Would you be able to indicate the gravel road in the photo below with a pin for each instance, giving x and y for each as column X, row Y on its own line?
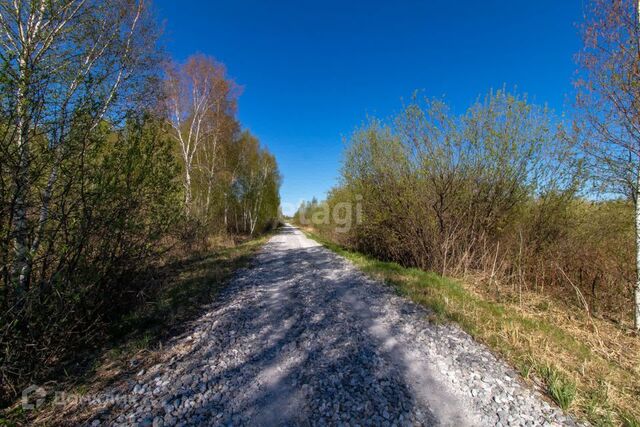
column 303, row 338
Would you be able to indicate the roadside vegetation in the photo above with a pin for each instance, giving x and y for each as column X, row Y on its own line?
column 117, row 167
column 177, row 291
column 587, row 365
column 519, row 225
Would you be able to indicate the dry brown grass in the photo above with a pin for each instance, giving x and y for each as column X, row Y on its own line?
column 603, row 359
column 587, row 364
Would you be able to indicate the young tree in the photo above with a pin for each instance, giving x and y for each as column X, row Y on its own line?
column 610, row 100
column 224, row 127
column 200, row 106
column 255, row 184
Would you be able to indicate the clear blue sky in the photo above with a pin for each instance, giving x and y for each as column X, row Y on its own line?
column 313, row 70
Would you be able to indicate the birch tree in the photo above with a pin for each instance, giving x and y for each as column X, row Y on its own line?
column 224, row 127
column 63, row 61
column 254, row 189
column 610, row 100
column 86, row 174
column 200, row 104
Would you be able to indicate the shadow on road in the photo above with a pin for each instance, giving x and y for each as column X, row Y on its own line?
column 299, row 337
column 309, row 345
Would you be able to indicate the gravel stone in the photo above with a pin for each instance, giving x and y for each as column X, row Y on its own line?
column 301, row 337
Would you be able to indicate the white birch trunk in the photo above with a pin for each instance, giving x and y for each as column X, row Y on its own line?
column 21, row 246
column 226, row 213
column 187, row 188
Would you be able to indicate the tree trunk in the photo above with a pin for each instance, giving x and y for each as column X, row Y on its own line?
column 20, row 226
column 226, row 213
column 636, row 307
column 207, row 202
column 187, row 189
column 637, row 288
column 42, row 220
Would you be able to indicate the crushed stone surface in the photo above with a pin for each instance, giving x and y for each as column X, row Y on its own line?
column 302, row 337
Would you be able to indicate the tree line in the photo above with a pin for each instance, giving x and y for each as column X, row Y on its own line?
column 110, row 155
column 229, row 181
column 507, row 192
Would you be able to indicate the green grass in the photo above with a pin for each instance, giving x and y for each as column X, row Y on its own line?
column 543, row 350
column 561, row 389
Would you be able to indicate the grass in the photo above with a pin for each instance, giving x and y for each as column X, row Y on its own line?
column 587, row 366
column 195, row 281
column 562, row 390
column 186, row 285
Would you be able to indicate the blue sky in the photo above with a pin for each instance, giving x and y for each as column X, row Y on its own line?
column 313, row 70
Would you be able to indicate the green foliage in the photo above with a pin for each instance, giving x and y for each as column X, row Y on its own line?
column 562, row 390
column 573, row 372
column 496, row 196
column 629, row 420
column 189, row 285
column 91, row 198
column 253, row 198
column 115, row 203
column 494, row 191
column 91, row 174
column 231, row 183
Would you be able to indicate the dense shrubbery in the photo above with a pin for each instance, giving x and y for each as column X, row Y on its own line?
column 114, row 204
column 91, row 173
column 496, row 194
